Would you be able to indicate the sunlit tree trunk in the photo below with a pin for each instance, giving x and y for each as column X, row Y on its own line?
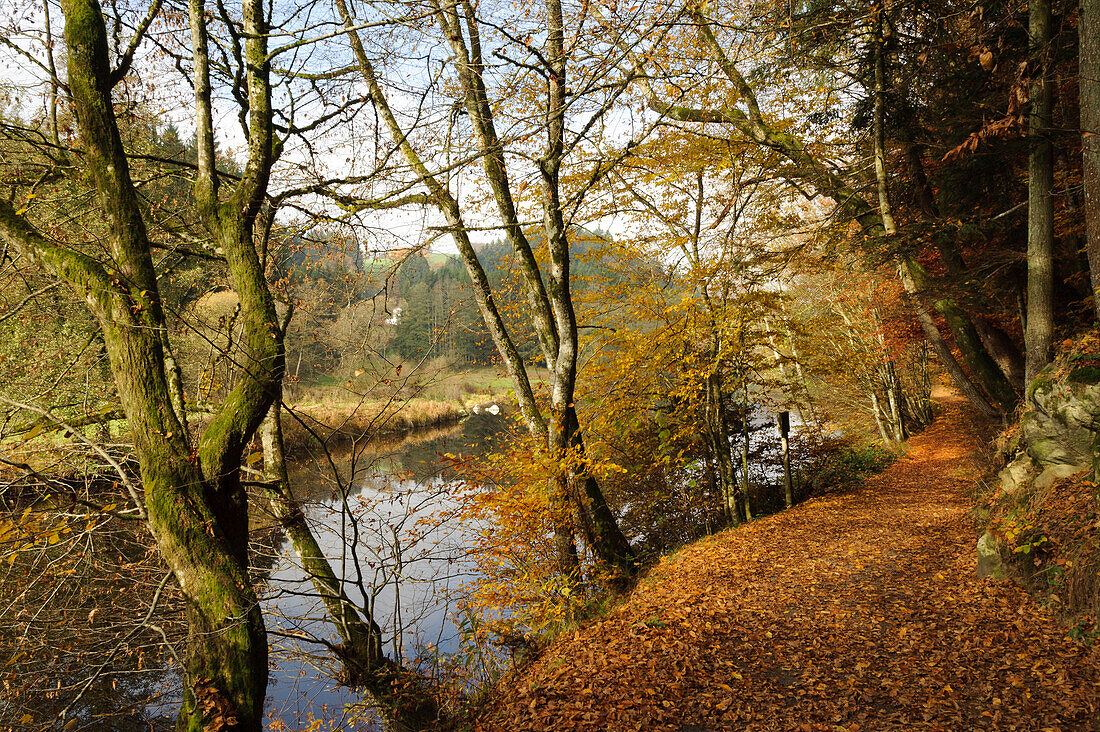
column 550, row 300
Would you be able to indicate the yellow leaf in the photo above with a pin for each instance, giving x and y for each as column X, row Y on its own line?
column 254, row 458
column 21, row 211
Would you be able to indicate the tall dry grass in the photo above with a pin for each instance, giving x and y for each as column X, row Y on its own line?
column 335, row 421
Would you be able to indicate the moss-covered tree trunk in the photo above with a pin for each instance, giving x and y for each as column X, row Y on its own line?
column 198, row 529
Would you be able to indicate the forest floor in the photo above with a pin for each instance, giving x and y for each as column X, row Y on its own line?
column 854, row 611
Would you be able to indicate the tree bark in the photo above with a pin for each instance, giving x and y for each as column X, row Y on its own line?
column 939, row 345
column 718, row 435
column 611, row 545
column 1088, row 31
column 1039, row 334
column 232, row 223
column 550, row 299
column 446, row 203
column 746, row 428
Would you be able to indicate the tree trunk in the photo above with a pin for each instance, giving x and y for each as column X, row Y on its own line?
column 550, row 301
column 483, row 295
column 226, row 670
column 611, row 545
column 1003, row 350
column 876, row 409
column 939, row 345
column 746, row 428
column 362, row 639
column 1039, row 335
column 1088, row 31
column 718, row 435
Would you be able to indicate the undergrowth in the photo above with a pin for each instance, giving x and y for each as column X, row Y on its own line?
column 836, row 465
column 1050, row 539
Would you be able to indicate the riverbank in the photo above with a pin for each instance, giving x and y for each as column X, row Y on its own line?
column 329, row 413
column 334, row 422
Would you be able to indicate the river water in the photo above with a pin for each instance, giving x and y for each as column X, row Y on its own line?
column 401, row 545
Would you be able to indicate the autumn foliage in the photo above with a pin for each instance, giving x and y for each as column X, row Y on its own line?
column 851, row 612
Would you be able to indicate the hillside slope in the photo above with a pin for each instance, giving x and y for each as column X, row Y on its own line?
column 859, row 611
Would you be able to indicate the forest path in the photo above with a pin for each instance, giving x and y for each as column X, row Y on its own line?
column 855, row 611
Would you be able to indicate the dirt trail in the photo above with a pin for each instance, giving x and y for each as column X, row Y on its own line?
column 859, row 611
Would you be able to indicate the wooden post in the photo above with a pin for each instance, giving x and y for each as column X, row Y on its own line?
column 784, row 430
column 745, row 453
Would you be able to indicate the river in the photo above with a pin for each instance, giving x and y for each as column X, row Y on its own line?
column 402, row 548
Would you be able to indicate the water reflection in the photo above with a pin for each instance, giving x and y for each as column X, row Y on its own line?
column 399, row 541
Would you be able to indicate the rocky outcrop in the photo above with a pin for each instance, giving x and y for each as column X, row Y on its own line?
column 1059, row 430
column 1058, row 436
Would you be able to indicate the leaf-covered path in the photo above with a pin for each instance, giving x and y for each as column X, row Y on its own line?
column 859, row 611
